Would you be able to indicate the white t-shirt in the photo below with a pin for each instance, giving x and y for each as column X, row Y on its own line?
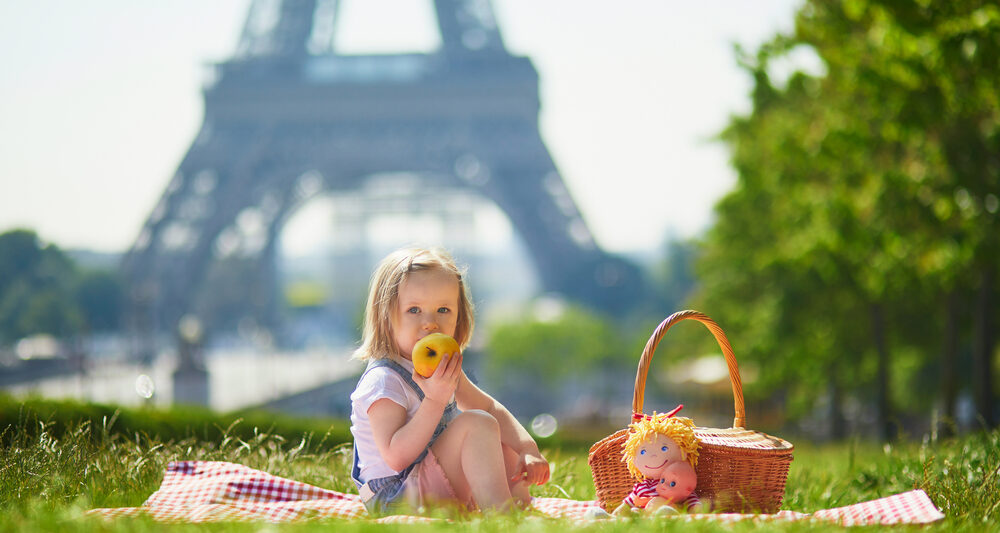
column 378, row 383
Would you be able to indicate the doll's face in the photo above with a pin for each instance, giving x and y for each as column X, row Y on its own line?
column 653, row 455
column 677, row 481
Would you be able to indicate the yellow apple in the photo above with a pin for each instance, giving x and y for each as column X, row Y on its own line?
column 429, row 351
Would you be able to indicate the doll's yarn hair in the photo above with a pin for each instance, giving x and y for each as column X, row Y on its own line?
column 678, row 428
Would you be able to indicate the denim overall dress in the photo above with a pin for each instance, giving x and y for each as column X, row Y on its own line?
column 381, row 493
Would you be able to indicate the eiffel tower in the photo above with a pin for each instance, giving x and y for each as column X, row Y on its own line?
column 288, row 118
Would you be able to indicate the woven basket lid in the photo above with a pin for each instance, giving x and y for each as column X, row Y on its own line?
column 744, row 439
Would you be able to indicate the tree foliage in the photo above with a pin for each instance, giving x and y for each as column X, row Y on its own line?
column 572, row 344
column 866, row 198
column 43, row 291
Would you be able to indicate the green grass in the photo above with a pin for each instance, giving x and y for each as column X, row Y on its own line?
column 174, row 423
column 48, row 480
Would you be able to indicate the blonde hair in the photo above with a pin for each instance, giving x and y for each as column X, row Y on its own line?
column 678, row 428
column 378, row 341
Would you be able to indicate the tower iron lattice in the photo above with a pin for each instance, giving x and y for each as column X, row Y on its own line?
column 288, row 117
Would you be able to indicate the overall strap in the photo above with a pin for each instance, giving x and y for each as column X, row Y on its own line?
column 450, row 411
column 399, row 369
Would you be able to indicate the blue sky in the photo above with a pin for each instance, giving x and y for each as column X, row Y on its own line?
column 99, row 101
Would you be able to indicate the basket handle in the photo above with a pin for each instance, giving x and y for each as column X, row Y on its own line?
column 740, row 420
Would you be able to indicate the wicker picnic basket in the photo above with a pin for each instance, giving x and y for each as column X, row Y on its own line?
column 738, row 469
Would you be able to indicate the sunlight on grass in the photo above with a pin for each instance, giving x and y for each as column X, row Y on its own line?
column 47, row 482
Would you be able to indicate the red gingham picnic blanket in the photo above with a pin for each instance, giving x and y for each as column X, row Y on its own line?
column 212, row 491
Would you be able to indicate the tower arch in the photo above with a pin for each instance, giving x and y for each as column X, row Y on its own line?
column 283, row 123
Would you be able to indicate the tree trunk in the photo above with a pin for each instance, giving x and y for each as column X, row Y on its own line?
column 982, row 350
column 886, row 428
column 949, row 363
column 838, row 426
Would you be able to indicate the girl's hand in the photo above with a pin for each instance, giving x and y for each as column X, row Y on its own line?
column 440, row 387
column 533, row 468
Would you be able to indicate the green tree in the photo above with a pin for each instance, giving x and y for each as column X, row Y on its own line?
column 575, row 342
column 935, row 68
column 47, row 311
column 99, row 297
column 534, row 358
column 35, row 288
column 849, row 211
column 20, row 255
column 43, row 291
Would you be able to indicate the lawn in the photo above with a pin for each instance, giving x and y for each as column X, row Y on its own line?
column 48, row 479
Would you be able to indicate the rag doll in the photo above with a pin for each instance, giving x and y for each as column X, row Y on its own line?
column 652, row 451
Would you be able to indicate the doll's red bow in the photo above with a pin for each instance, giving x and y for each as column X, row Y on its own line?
column 639, row 416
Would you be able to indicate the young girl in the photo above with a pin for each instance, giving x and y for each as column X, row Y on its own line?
column 439, row 439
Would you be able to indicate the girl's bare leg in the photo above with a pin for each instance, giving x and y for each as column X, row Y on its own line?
column 470, row 453
column 518, row 486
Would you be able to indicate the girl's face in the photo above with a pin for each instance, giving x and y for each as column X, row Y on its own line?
column 427, row 303
column 655, row 454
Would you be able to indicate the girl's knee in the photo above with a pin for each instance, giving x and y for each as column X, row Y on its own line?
column 477, row 420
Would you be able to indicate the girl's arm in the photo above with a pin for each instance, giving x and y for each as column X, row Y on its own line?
column 401, row 441
column 512, row 433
